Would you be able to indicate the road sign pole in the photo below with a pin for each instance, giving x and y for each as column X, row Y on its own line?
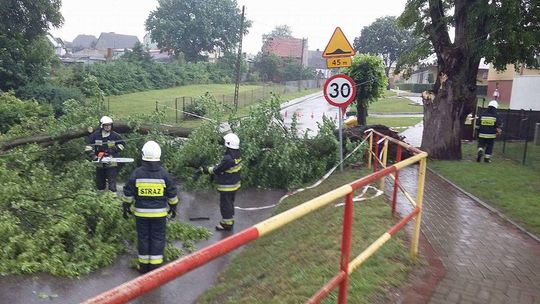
column 340, row 140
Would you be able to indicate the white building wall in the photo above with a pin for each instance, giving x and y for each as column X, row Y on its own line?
column 525, row 93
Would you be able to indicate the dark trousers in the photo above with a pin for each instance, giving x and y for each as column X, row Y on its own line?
column 486, row 144
column 151, row 236
column 106, row 175
column 226, row 204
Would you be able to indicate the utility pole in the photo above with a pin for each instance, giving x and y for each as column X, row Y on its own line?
column 237, row 84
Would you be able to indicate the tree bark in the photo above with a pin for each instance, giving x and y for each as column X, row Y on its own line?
column 361, row 114
column 455, row 87
column 120, row 127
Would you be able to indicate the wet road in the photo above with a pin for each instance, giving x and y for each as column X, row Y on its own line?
column 308, row 111
column 43, row 288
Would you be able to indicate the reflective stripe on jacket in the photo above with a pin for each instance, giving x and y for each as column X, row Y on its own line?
column 227, row 172
column 152, row 188
column 487, row 124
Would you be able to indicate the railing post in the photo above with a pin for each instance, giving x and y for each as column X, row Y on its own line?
column 376, row 152
column 384, row 157
column 157, row 109
column 396, row 180
column 346, row 247
column 370, row 149
column 419, row 200
column 184, row 107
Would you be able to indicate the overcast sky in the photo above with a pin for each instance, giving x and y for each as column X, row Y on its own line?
column 311, row 19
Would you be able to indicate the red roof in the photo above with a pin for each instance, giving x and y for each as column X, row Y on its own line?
column 284, row 47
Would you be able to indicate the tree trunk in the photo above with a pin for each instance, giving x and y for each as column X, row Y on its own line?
column 47, row 140
column 455, row 97
column 361, row 113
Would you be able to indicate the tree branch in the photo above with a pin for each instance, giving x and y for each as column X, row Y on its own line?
column 47, row 140
column 438, row 29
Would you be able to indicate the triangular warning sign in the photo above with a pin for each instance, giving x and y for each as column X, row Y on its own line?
column 338, row 46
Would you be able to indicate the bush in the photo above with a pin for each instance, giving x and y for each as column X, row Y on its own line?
column 14, row 111
column 51, row 94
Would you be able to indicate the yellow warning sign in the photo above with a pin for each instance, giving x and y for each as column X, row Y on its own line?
column 338, row 46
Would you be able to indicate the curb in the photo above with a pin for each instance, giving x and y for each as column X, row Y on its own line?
column 487, row 206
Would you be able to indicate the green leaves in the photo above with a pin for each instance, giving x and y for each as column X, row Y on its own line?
column 384, row 37
column 194, row 26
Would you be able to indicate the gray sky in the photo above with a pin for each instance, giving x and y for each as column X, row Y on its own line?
column 311, row 19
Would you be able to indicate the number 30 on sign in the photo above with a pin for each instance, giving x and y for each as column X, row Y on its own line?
column 339, row 90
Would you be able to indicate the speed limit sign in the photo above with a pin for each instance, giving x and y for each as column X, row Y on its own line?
column 339, row 90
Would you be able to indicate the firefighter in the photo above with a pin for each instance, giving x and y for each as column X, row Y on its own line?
column 101, row 143
column 227, row 175
column 489, row 126
column 154, row 193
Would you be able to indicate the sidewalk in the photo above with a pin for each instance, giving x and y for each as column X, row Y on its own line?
column 485, row 258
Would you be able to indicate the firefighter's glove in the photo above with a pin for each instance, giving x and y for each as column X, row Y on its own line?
column 172, row 211
column 499, row 131
column 197, row 174
column 126, row 210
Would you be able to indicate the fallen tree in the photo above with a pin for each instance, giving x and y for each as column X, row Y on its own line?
column 120, row 127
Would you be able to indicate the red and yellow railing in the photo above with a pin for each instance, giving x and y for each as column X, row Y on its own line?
column 143, row 284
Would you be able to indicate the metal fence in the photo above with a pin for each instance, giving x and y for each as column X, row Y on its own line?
column 184, row 107
column 520, row 138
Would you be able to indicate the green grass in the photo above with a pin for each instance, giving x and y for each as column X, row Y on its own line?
column 394, row 121
column 504, row 184
column 394, row 105
column 292, row 263
column 142, row 102
column 515, row 151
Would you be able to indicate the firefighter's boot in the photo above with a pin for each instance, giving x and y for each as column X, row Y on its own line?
column 143, row 268
column 225, row 225
column 479, row 155
column 487, row 159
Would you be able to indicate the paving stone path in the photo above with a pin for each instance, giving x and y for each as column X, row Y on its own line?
column 485, row 258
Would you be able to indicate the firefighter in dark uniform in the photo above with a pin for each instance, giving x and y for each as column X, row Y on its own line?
column 101, row 143
column 227, row 175
column 154, row 193
column 489, row 126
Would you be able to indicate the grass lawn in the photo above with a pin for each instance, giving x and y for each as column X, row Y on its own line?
column 504, row 184
column 394, row 121
column 291, row 264
column 394, row 105
column 144, row 102
column 515, row 151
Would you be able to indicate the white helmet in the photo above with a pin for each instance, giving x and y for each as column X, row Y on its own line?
column 105, row 120
column 494, row 104
column 232, row 141
column 151, row 151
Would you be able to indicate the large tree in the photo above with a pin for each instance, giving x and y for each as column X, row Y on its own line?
column 500, row 31
column 193, row 26
column 25, row 52
column 384, row 37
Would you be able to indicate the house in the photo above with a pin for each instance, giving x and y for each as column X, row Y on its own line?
column 503, row 81
column 428, row 75
column 423, row 75
column 115, row 41
column 287, row 47
column 83, row 42
column 57, row 44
